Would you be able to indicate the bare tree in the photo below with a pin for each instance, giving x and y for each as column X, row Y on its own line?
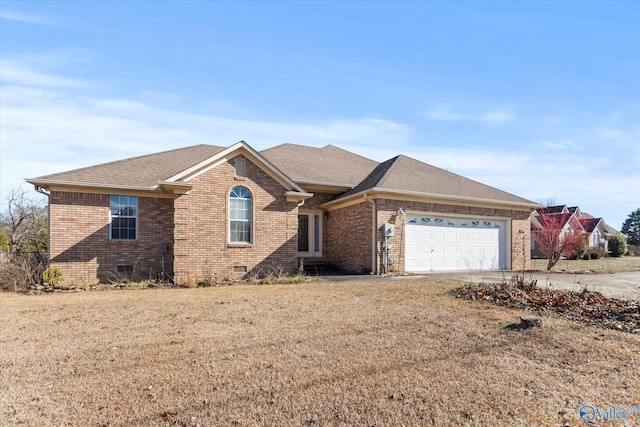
column 25, row 223
column 23, row 233
column 555, row 239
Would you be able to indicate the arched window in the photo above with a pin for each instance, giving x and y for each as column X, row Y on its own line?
column 240, row 215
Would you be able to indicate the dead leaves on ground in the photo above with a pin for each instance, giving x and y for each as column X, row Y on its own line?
column 586, row 306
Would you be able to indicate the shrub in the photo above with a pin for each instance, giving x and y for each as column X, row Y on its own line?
column 52, row 275
column 617, row 245
column 20, row 271
column 633, row 250
column 582, row 251
column 595, row 253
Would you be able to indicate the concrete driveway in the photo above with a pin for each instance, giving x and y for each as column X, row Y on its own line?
column 618, row 285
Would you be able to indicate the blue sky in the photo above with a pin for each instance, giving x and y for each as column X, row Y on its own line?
column 541, row 99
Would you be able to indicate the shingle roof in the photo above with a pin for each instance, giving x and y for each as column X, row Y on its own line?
column 552, row 209
column 554, row 219
column 589, row 224
column 329, row 164
column 142, row 171
column 404, row 173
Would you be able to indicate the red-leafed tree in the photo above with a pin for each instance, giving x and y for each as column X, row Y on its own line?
column 554, row 238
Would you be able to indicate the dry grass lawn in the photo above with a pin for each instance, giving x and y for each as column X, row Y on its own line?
column 402, row 352
column 602, row 265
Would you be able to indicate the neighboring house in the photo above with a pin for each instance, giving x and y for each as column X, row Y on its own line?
column 207, row 213
column 595, row 231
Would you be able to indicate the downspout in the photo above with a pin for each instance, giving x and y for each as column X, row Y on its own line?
column 373, row 234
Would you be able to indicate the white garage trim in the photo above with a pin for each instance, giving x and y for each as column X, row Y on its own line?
column 435, row 242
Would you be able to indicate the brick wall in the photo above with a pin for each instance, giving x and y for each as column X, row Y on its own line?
column 202, row 251
column 195, row 226
column 349, row 238
column 80, row 245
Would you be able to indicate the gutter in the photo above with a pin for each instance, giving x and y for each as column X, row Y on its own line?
column 373, row 233
column 46, row 183
column 432, row 196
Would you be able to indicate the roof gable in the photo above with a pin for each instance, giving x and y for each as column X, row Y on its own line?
column 590, row 224
column 231, row 152
column 560, row 220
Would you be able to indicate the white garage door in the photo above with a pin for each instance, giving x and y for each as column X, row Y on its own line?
column 441, row 243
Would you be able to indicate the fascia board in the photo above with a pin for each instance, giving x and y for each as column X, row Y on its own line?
column 297, row 196
column 324, row 187
column 74, row 187
column 47, row 183
column 175, row 187
column 377, row 192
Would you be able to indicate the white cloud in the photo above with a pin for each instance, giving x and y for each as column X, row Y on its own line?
column 497, row 116
column 50, row 130
column 15, row 72
column 25, row 17
column 49, row 125
column 563, row 144
column 441, row 114
column 494, row 116
column 610, row 133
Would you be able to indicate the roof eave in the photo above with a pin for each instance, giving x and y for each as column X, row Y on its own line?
column 297, row 196
column 378, row 191
column 324, row 187
column 48, row 183
column 175, row 187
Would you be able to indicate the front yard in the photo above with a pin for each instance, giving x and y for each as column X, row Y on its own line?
column 601, row 265
column 400, row 352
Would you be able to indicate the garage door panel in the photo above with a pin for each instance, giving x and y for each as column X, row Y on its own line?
column 434, row 244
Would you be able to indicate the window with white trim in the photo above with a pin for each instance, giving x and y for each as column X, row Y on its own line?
column 240, row 215
column 309, row 234
column 124, row 218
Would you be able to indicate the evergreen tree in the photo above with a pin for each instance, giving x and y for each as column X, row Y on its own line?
column 631, row 228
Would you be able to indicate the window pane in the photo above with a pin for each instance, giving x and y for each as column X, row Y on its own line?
column 239, row 232
column 124, row 212
column 303, row 233
column 240, row 212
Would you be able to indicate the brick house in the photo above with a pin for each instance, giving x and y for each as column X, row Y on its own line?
column 210, row 213
column 595, row 231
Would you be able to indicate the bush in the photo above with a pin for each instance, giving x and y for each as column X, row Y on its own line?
column 52, row 275
column 633, row 250
column 18, row 272
column 582, row 251
column 595, row 253
column 617, row 245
